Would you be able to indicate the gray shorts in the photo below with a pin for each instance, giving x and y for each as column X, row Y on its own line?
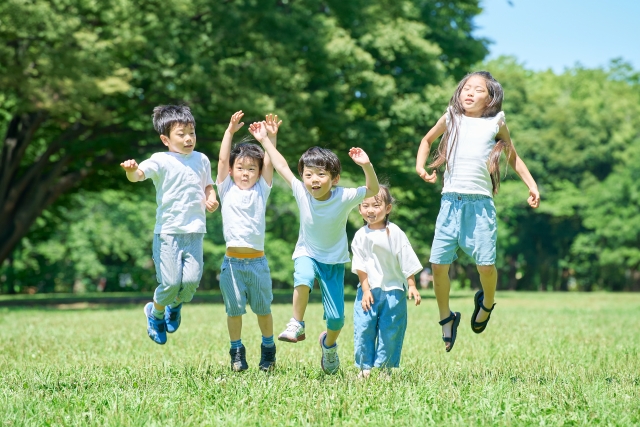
column 178, row 260
column 246, row 280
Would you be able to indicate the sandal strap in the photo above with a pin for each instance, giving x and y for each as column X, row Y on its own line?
column 446, row 339
column 451, row 317
column 488, row 310
column 477, row 325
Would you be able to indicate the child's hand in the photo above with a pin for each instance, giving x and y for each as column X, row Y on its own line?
column 234, row 123
column 272, row 124
column 212, row 205
column 534, row 198
column 430, row 178
column 258, row 130
column 129, row 166
column 367, row 300
column 359, row 156
column 414, row 294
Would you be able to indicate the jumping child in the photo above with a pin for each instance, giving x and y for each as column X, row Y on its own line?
column 244, row 184
column 475, row 134
column 322, row 248
column 184, row 189
column 386, row 264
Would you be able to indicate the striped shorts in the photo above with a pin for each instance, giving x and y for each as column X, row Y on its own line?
column 178, row 260
column 246, row 280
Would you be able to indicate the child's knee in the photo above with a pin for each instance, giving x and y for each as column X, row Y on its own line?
column 335, row 324
column 486, row 270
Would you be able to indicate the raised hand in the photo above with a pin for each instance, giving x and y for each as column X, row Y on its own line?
column 359, row 156
column 534, row 198
column 258, row 130
column 272, row 124
column 129, row 166
column 234, row 123
column 430, row 178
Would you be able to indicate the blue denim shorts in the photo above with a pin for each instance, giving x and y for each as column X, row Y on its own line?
column 331, row 280
column 466, row 221
column 246, row 280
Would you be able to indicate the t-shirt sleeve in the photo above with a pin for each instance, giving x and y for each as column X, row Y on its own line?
column 409, row 262
column 499, row 120
column 352, row 197
column 224, row 186
column 298, row 189
column 207, row 171
column 150, row 167
column 264, row 187
column 358, row 262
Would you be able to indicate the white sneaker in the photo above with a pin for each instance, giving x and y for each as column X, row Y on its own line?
column 293, row 333
column 364, row 374
column 330, row 361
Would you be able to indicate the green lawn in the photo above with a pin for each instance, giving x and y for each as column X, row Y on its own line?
column 545, row 359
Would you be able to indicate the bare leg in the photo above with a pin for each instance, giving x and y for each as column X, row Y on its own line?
column 489, row 280
column 300, row 301
column 442, row 287
column 234, row 323
column 266, row 325
column 158, row 306
column 331, row 338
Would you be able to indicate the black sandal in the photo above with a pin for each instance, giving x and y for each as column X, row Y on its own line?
column 478, row 300
column 454, row 328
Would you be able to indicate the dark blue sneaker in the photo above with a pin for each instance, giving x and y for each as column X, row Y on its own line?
column 267, row 358
column 172, row 318
column 156, row 328
column 238, row 359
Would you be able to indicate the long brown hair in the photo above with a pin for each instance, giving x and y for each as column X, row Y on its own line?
column 450, row 136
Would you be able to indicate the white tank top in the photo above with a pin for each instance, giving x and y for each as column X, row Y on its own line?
column 468, row 172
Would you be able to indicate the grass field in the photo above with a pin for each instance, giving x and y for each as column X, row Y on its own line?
column 545, row 359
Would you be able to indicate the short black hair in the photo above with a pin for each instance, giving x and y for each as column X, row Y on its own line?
column 247, row 149
column 321, row 158
column 165, row 117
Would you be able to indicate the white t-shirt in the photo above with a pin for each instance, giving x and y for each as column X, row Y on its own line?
column 180, row 180
column 323, row 234
column 243, row 213
column 387, row 258
column 469, row 173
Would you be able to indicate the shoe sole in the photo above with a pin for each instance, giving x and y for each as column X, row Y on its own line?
column 270, row 368
column 293, row 341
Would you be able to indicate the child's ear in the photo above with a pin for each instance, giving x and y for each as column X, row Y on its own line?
column 335, row 180
column 388, row 208
column 164, row 140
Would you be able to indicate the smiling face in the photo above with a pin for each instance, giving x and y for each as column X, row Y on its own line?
column 374, row 211
column 318, row 182
column 474, row 96
column 245, row 172
column 181, row 139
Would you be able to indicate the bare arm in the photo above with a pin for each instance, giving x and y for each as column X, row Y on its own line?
column 367, row 298
column 518, row 165
column 412, row 290
column 371, row 180
column 225, row 147
column 210, row 201
column 133, row 173
column 279, row 163
column 272, row 125
column 425, row 147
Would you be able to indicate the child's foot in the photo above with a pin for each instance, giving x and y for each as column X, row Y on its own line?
column 156, row 328
column 364, row 374
column 481, row 314
column 267, row 358
column 238, row 359
column 293, row 333
column 330, row 361
column 172, row 318
column 450, row 329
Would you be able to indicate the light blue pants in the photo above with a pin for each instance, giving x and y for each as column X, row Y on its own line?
column 379, row 332
column 178, row 260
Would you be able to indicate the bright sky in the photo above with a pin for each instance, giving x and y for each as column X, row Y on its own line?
column 557, row 34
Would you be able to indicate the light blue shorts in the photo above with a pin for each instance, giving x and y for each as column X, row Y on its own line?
column 466, row 221
column 246, row 280
column 331, row 280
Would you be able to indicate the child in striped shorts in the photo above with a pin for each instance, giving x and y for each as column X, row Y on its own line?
column 244, row 182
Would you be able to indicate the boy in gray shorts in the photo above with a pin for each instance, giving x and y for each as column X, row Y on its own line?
column 184, row 189
column 244, row 181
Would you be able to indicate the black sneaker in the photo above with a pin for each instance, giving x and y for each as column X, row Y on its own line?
column 267, row 358
column 238, row 359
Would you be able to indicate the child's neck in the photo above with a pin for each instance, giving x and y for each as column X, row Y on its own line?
column 475, row 115
column 380, row 225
